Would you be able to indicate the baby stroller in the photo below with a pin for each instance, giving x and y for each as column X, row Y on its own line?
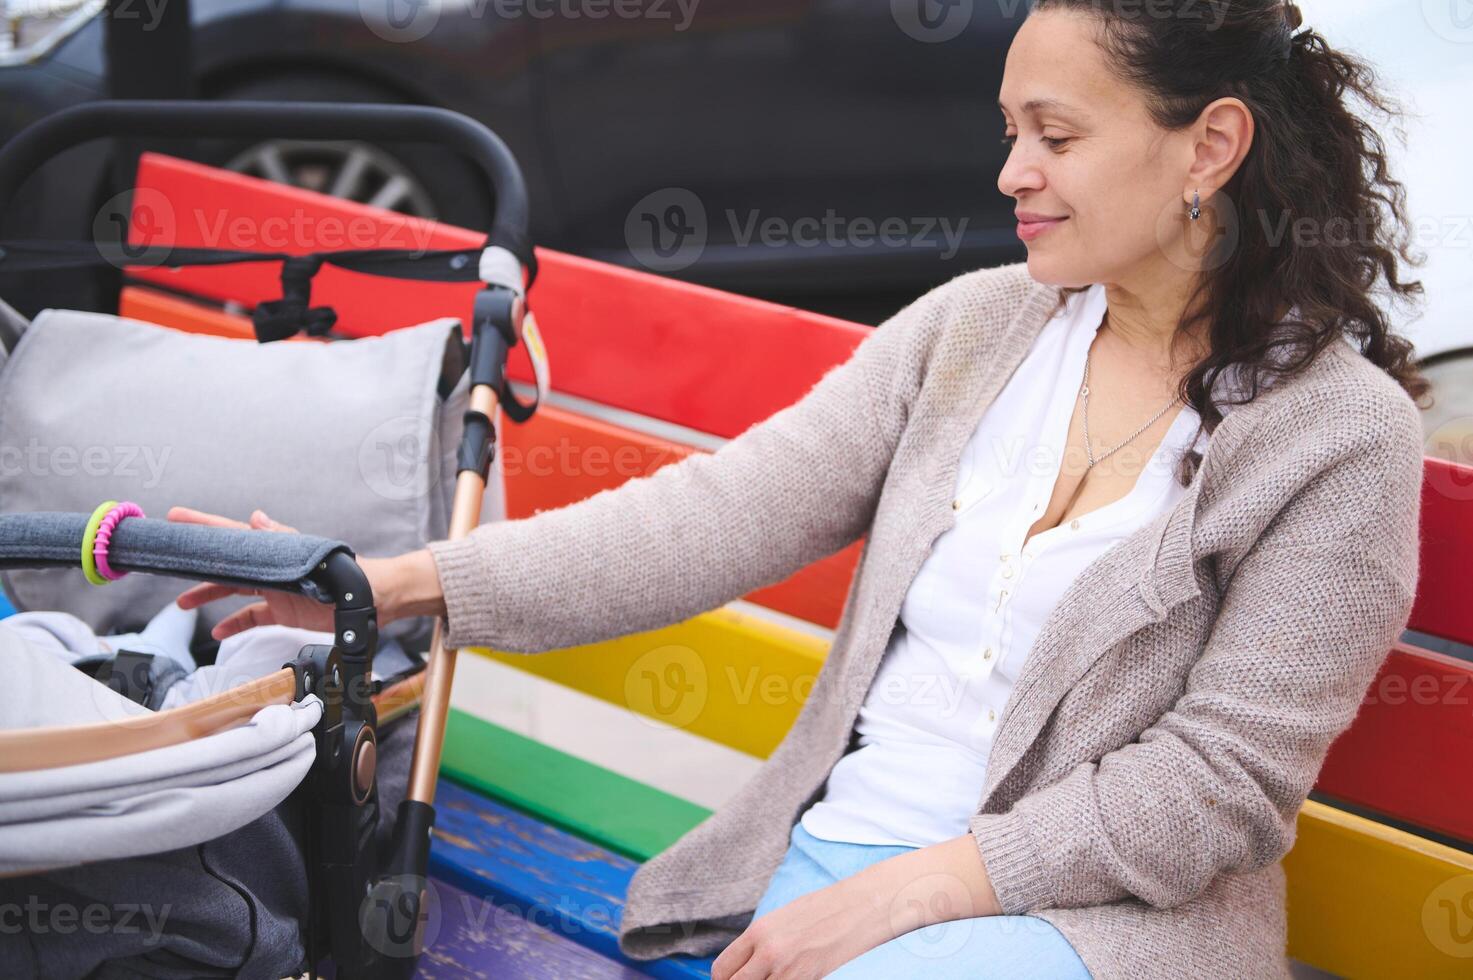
column 366, row 887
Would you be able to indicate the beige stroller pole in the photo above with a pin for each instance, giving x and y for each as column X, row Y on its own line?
column 499, row 321
column 439, row 673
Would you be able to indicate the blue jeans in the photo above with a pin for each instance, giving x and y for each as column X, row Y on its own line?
column 992, row 947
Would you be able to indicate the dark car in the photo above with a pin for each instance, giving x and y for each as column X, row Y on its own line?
column 838, row 154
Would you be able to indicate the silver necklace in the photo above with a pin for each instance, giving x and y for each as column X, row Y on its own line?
column 1084, row 393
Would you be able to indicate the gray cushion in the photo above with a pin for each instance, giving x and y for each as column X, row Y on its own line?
column 349, row 440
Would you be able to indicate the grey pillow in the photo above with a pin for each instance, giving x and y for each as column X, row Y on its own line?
column 348, row 439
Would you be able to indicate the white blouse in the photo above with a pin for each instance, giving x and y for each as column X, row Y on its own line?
column 977, row 603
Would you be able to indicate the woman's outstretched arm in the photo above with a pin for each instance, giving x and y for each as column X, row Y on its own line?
column 699, row 533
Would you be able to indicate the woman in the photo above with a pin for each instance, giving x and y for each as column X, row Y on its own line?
column 1156, row 630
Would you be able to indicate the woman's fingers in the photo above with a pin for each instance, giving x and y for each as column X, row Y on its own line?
column 261, row 522
column 256, row 614
column 188, row 515
column 198, row 595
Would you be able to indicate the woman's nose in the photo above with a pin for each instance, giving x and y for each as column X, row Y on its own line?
column 1018, row 174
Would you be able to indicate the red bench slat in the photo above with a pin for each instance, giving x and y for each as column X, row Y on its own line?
column 1409, row 751
column 758, row 357
column 1443, row 608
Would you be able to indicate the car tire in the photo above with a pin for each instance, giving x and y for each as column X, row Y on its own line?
column 450, row 188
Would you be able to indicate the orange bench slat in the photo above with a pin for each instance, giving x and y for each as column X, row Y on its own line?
column 560, row 457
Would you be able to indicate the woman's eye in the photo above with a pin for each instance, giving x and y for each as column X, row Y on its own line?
column 1054, row 142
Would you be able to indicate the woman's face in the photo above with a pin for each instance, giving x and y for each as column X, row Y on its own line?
column 1084, row 150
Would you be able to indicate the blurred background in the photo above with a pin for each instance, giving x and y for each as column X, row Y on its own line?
column 784, row 149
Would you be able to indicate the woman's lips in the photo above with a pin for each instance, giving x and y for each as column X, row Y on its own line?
column 1029, row 230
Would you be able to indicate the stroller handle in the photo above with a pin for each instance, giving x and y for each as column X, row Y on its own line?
column 285, row 562
column 48, row 136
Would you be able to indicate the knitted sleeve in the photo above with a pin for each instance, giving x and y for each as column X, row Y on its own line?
column 1308, row 614
column 703, row 531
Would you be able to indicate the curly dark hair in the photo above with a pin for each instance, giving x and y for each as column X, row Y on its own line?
column 1312, row 158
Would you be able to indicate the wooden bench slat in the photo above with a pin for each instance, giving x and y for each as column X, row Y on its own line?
column 614, row 811
column 1357, row 889
column 1442, row 607
column 561, row 457
column 758, row 357
column 558, row 880
column 725, row 675
column 1407, row 754
column 470, row 936
column 1369, row 901
column 152, row 306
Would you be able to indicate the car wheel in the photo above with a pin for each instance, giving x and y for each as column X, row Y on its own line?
column 415, row 179
column 1448, row 423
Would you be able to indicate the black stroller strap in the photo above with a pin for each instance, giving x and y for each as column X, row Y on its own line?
column 140, row 677
column 420, row 265
column 278, row 319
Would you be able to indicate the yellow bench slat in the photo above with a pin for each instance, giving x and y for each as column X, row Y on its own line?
column 726, row 675
column 1370, row 901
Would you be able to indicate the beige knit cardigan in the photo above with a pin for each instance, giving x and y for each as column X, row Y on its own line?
column 1174, row 711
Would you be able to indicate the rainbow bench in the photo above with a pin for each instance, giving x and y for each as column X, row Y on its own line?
column 647, row 370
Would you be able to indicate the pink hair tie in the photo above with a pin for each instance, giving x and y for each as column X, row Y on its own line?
column 104, row 534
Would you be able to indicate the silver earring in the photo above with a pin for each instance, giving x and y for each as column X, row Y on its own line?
column 1196, row 206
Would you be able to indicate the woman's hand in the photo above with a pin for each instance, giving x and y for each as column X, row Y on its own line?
column 815, row 934
column 284, row 608
column 809, row 937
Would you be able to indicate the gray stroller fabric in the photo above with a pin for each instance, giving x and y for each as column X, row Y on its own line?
column 231, row 907
column 348, row 440
column 144, row 802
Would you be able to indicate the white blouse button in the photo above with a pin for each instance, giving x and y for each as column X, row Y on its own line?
column 1007, row 573
column 991, row 715
column 987, row 654
column 956, row 504
column 1074, row 524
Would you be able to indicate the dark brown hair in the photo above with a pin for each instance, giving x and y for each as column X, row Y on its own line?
column 1312, row 158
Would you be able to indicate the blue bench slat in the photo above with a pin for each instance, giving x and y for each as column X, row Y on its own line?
column 555, row 878
column 468, row 936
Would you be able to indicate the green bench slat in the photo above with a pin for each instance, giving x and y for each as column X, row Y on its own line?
column 611, row 810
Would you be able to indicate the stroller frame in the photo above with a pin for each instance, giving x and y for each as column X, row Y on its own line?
column 373, row 916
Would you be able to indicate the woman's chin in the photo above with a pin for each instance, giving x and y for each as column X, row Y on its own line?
column 1053, row 271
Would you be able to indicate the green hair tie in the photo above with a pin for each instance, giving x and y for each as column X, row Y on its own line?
column 89, row 540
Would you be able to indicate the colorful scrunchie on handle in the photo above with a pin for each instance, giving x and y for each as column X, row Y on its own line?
column 100, row 527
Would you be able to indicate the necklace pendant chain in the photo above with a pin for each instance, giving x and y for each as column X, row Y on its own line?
column 1088, row 446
